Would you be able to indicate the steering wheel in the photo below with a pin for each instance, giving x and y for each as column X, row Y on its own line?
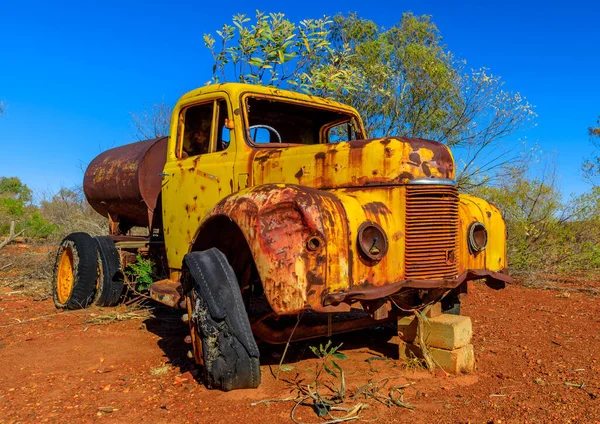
column 267, row 127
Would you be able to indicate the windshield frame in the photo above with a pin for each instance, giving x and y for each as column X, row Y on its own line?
column 352, row 115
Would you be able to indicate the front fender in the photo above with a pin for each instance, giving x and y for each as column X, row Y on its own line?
column 298, row 236
column 493, row 258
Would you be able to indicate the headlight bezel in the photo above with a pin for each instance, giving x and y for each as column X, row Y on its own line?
column 371, row 249
column 476, row 231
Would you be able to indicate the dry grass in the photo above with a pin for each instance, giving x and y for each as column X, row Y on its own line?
column 121, row 313
column 576, row 281
column 29, row 272
column 160, row 370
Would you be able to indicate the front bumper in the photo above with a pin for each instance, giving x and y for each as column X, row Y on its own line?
column 493, row 279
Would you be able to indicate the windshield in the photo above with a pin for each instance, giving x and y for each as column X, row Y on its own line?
column 274, row 121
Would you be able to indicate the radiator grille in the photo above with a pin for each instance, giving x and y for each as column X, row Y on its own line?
column 431, row 231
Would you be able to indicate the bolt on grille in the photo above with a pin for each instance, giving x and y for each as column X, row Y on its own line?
column 431, row 232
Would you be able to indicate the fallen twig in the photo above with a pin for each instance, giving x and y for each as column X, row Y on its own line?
column 56, row 314
column 3, row 267
column 115, row 316
column 288, row 399
column 287, row 345
column 11, row 235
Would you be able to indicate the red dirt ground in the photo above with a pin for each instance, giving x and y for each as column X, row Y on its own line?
column 528, row 344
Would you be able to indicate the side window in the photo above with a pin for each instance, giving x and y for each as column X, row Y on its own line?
column 340, row 133
column 196, row 133
column 346, row 131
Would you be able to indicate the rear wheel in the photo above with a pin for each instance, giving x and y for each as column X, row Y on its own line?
column 75, row 272
column 220, row 330
column 110, row 280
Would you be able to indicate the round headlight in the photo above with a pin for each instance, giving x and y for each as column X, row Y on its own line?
column 372, row 241
column 478, row 237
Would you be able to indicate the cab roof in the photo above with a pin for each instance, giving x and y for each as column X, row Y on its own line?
column 236, row 90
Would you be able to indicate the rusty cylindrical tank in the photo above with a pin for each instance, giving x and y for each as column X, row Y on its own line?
column 123, row 183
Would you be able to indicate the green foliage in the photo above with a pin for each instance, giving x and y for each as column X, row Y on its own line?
column 15, row 199
column 545, row 232
column 53, row 217
column 403, row 80
column 14, row 196
column 274, row 51
column 38, row 227
column 141, row 272
column 13, row 188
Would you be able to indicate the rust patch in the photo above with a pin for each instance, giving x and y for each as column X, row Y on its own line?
column 314, row 279
column 415, row 158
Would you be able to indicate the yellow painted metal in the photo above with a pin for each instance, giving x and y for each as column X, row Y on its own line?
column 196, row 184
column 493, row 258
column 65, row 275
column 193, row 185
column 279, row 196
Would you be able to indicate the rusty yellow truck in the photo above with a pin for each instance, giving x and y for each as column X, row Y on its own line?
column 265, row 205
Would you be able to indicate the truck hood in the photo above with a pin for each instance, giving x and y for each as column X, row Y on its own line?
column 359, row 163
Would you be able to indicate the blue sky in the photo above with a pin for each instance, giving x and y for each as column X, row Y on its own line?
column 71, row 72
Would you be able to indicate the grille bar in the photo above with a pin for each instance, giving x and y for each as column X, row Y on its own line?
column 431, row 232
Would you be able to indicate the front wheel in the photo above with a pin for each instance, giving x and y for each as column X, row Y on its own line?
column 220, row 330
column 75, row 272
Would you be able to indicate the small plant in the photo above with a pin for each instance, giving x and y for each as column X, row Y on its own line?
column 326, row 397
column 140, row 272
column 327, row 354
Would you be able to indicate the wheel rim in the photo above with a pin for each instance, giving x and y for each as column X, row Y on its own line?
column 65, row 278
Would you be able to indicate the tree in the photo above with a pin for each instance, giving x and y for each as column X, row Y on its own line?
column 403, row 80
column 591, row 166
column 152, row 122
column 17, row 212
column 14, row 195
column 546, row 233
column 69, row 211
column 277, row 52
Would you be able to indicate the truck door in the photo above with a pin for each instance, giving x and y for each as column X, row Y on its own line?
column 198, row 172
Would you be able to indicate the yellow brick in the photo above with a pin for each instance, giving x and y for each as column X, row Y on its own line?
column 444, row 331
column 453, row 361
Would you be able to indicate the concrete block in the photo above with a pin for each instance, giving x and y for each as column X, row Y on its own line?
column 444, row 331
column 454, row 361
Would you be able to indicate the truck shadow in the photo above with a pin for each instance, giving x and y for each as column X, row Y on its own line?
column 166, row 323
column 375, row 340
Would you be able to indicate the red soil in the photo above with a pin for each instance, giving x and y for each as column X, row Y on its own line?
column 529, row 343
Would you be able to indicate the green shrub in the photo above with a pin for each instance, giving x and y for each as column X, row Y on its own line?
column 141, row 273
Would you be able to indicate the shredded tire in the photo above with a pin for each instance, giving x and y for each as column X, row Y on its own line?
column 230, row 353
column 85, row 272
column 111, row 283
